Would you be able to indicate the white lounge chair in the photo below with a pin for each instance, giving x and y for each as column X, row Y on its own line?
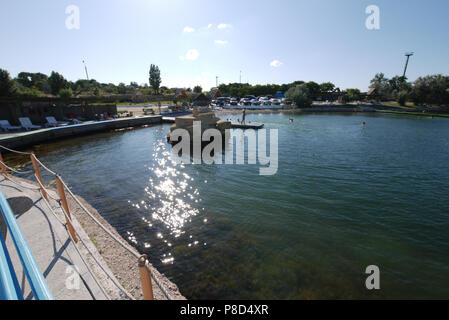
column 6, row 126
column 27, row 125
column 52, row 122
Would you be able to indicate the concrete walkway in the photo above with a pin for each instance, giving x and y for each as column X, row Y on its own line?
column 54, row 251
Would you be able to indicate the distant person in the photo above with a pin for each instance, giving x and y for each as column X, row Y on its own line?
column 363, row 124
column 244, row 116
column 291, row 120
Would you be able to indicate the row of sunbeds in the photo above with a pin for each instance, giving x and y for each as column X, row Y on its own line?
column 25, row 123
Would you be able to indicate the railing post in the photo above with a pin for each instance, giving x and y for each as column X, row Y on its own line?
column 38, row 174
column 65, row 206
column 145, row 278
column 4, row 172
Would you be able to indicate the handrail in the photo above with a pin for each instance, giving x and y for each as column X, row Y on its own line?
column 34, row 275
column 9, row 286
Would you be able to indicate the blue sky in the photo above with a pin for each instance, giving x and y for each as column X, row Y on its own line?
column 318, row 40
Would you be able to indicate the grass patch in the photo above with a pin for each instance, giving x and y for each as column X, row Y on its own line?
column 93, row 239
column 420, row 114
column 392, row 104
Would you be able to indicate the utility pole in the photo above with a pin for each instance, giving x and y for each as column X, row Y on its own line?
column 85, row 69
column 408, row 55
column 240, row 77
column 216, row 81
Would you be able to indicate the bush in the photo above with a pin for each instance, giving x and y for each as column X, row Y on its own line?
column 65, row 94
column 300, row 95
column 402, row 98
column 353, row 95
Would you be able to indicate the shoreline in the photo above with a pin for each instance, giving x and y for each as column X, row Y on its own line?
column 343, row 109
column 29, row 139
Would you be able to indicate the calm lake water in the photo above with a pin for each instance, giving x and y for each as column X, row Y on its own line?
column 345, row 197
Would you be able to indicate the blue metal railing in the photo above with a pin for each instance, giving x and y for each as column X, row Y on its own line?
column 9, row 286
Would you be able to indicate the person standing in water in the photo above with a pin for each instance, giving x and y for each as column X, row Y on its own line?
column 244, row 116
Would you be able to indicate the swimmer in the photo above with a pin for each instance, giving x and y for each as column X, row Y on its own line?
column 291, row 120
column 363, row 124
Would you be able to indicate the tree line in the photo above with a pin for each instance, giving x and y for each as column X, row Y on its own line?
column 41, row 85
column 428, row 90
column 245, row 89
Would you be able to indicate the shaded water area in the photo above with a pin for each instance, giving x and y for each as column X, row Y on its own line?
column 344, row 197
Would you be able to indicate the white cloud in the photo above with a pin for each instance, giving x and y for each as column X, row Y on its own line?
column 192, row 55
column 209, row 26
column 276, row 64
column 221, row 42
column 189, row 29
column 223, row 26
column 206, row 73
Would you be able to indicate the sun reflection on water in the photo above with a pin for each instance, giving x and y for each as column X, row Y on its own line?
column 169, row 201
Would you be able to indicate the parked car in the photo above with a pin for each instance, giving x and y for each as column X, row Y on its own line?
column 222, row 101
column 266, row 102
column 275, row 102
column 234, row 102
column 286, row 102
column 255, row 102
column 245, row 102
column 262, row 99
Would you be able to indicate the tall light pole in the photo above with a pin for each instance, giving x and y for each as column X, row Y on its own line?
column 85, row 69
column 408, row 55
column 216, row 80
column 240, row 77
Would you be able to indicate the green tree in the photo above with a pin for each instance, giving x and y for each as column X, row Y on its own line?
column 431, row 89
column 155, row 78
column 327, row 87
column 39, row 81
column 402, row 97
column 300, row 95
column 57, row 82
column 382, row 85
column 25, row 79
column 198, row 89
column 353, row 94
column 65, row 94
column 7, row 87
column 314, row 89
column 121, row 89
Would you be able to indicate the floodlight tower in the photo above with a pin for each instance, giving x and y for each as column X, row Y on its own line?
column 85, row 69
column 408, row 55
